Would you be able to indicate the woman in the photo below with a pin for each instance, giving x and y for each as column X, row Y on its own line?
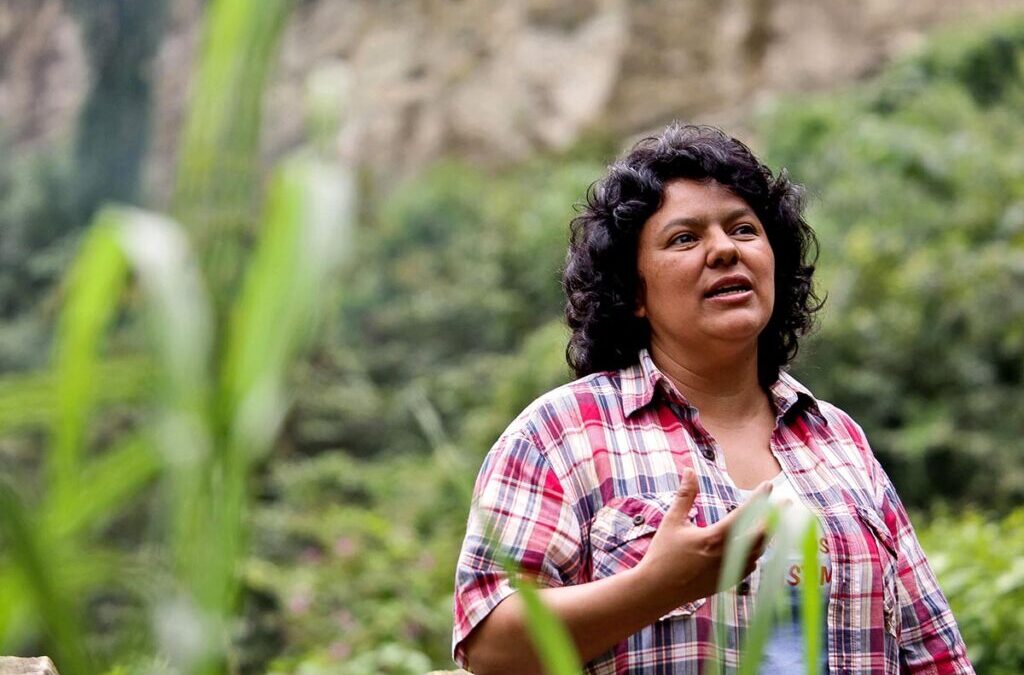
column 689, row 283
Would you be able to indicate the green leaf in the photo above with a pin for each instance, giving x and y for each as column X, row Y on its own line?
column 29, row 551
column 272, row 321
column 177, row 306
column 550, row 637
column 736, row 552
column 94, row 286
column 30, row 399
column 810, row 598
column 305, row 234
column 16, row 618
column 108, row 482
column 218, row 184
column 769, row 593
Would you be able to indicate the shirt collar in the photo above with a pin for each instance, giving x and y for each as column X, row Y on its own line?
column 641, row 381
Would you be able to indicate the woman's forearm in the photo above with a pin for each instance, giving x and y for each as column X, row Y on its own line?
column 598, row 615
column 681, row 564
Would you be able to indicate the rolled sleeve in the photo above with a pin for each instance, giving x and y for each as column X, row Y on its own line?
column 519, row 493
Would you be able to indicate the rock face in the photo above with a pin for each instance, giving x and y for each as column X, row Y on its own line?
column 42, row 71
column 41, row 665
column 493, row 81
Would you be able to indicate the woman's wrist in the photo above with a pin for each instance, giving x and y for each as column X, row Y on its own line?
column 656, row 590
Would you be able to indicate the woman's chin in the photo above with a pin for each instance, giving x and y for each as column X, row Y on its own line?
column 736, row 329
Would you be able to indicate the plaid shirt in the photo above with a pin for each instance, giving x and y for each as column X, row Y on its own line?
column 579, row 482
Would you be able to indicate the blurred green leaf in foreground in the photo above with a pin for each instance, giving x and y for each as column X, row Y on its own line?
column 217, row 361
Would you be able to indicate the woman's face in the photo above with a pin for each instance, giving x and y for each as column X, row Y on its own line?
column 704, row 235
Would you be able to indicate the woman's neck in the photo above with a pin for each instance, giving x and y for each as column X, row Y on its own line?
column 725, row 390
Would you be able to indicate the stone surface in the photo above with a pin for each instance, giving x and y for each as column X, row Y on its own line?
column 487, row 80
column 43, row 74
column 40, row 665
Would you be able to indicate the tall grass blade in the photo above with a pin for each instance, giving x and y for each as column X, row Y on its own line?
column 810, row 598
column 177, row 308
column 736, row 553
column 218, row 180
column 770, row 592
column 550, row 638
column 34, row 555
column 549, row 635
column 112, row 479
column 181, row 327
column 272, row 321
column 30, row 399
column 306, row 234
column 94, row 287
column 17, row 622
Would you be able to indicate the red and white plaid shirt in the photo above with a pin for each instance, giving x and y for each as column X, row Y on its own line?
column 579, row 482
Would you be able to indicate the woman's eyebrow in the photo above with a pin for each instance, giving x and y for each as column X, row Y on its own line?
column 700, row 222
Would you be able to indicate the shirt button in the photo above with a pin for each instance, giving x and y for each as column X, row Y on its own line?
column 743, row 588
column 638, row 519
column 730, row 508
column 708, row 453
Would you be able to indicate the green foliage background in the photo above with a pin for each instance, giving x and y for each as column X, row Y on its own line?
column 449, row 323
column 917, row 185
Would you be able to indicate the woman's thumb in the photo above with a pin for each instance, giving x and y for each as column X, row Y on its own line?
column 680, row 509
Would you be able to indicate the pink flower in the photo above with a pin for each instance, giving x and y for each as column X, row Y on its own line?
column 344, row 619
column 311, row 555
column 339, row 650
column 345, row 547
column 300, row 602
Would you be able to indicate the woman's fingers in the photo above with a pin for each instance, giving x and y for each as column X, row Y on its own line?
column 678, row 512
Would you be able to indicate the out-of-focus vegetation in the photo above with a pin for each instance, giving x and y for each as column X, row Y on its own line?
column 448, row 324
column 917, row 184
column 980, row 562
column 218, row 361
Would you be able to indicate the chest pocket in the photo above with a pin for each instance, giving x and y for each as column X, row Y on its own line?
column 621, row 532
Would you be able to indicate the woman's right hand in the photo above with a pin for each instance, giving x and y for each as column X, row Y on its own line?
column 686, row 560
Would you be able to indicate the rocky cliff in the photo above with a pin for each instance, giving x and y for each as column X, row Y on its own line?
column 493, row 81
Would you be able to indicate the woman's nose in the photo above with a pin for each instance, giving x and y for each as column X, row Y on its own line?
column 722, row 250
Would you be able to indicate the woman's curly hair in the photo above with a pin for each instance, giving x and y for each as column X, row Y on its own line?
column 600, row 277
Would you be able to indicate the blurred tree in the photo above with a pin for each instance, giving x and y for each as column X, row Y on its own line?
column 48, row 196
column 36, row 216
column 120, row 38
column 458, row 269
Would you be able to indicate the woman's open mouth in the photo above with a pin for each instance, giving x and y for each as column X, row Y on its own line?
column 730, row 294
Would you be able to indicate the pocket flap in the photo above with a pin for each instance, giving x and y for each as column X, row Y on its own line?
column 626, row 518
column 621, row 532
column 878, row 526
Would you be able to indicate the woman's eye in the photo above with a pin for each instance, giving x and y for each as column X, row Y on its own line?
column 684, row 238
column 745, row 229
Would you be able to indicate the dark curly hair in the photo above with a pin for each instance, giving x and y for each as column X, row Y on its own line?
column 600, row 277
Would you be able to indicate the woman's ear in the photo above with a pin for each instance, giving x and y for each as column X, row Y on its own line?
column 640, row 306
